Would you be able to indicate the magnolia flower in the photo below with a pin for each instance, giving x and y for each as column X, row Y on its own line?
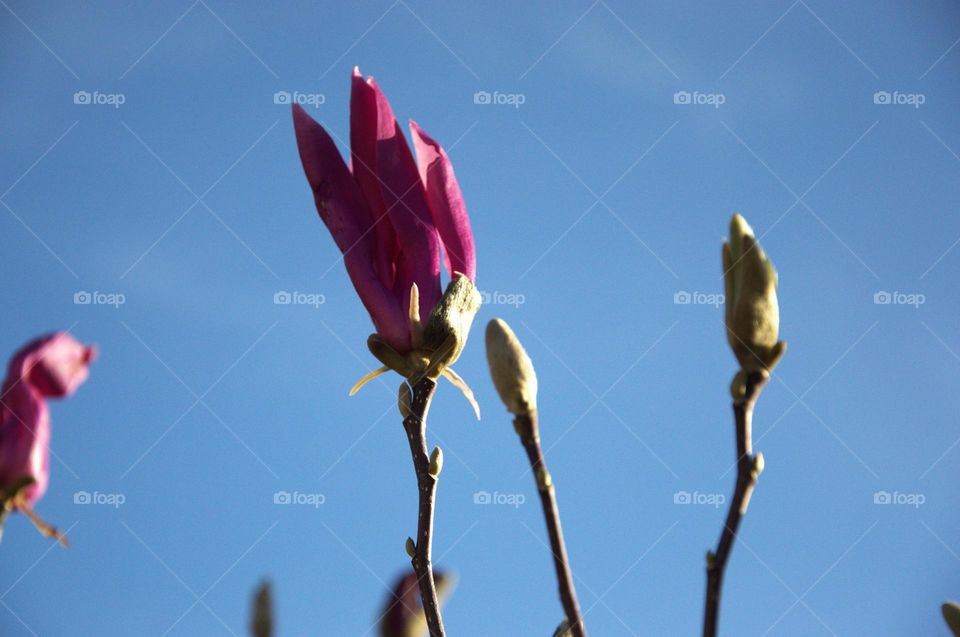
column 50, row 367
column 752, row 311
column 390, row 215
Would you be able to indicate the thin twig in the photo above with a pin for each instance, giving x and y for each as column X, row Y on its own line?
column 528, row 429
column 415, row 424
column 747, row 472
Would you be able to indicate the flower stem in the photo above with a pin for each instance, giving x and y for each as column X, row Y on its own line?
column 528, row 428
column 415, row 424
column 747, row 473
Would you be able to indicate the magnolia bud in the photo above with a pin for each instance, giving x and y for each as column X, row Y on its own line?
column 757, row 465
column 752, row 311
column 511, row 369
column 261, row 624
column 436, row 462
column 951, row 614
column 411, row 547
column 448, row 326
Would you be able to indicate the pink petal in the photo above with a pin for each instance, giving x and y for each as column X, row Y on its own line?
column 363, row 148
column 24, row 439
column 409, row 213
column 51, row 366
column 347, row 216
column 446, row 203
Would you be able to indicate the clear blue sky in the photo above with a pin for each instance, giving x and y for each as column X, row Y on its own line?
column 594, row 202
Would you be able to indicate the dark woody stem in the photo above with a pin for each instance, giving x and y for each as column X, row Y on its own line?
column 528, row 429
column 747, row 474
column 415, row 424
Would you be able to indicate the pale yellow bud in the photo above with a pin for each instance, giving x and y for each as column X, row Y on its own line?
column 511, row 369
column 752, row 312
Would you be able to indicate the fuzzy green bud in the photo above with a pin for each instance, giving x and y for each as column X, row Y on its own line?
column 511, row 369
column 448, row 325
column 410, row 547
column 752, row 312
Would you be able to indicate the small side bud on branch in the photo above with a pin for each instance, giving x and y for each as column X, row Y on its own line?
column 563, row 630
column 511, row 369
column 752, row 311
column 436, row 462
column 544, row 479
column 410, row 547
column 757, row 465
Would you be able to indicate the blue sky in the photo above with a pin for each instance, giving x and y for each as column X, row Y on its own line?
column 596, row 195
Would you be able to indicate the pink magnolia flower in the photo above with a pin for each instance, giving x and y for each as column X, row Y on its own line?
column 388, row 213
column 52, row 366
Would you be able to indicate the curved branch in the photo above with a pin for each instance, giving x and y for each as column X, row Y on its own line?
column 415, row 424
column 528, row 428
column 747, row 472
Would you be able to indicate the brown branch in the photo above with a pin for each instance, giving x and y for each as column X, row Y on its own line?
column 528, row 429
column 747, row 472
column 415, row 424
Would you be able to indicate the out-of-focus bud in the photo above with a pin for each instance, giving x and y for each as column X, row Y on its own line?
column 261, row 624
column 436, row 462
column 402, row 615
column 758, row 465
column 448, row 326
column 544, row 479
column 511, row 369
column 563, row 630
column 951, row 615
column 752, row 311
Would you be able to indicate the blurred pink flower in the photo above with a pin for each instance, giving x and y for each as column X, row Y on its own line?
column 389, row 214
column 52, row 366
